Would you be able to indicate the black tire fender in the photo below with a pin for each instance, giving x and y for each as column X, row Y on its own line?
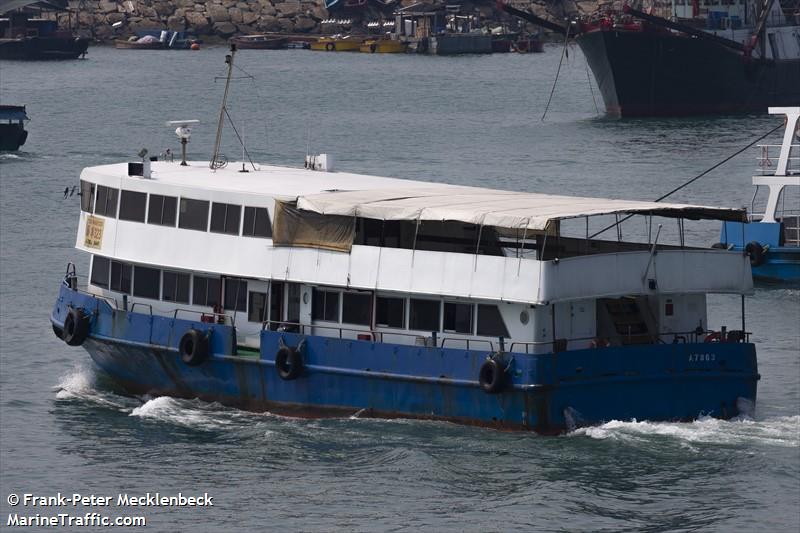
column 288, row 363
column 330, row 47
column 492, row 376
column 193, row 347
column 76, row 327
column 756, row 253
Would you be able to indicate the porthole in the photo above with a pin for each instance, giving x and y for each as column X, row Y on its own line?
column 524, row 317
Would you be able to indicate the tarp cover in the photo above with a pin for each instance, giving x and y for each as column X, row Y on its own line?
column 293, row 227
column 490, row 207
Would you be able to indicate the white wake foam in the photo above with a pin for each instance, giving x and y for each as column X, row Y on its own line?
column 777, row 431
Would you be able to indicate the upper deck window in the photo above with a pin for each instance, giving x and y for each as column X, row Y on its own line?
column 458, row 317
column 256, row 222
column 194, row 214
column 100, row 270
column 225, row 218
column 490, row 322
column 106, row 203
column 162, row 210
column 390, row 312
column 87, row 196
column 424, row 314
column 132, row 205
column 356, row 308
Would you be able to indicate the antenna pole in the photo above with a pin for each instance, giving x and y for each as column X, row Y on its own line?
column 229, row 61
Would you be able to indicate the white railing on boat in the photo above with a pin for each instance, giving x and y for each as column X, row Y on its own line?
column 767, row 161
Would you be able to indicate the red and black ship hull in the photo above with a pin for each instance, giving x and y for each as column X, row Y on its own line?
column 659, row 73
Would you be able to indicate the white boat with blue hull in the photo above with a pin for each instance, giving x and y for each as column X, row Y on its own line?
column 311, row 292
column 772, row 238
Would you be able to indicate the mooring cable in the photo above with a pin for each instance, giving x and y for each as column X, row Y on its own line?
column 676, row 189
column 553, row 89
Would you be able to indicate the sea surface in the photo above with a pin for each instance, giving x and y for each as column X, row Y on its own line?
column 477, row 120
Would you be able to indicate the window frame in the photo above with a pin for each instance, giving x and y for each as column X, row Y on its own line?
column 453, row 304
column 131, row 195
column 107, row 190
column 226, row 213
column 83, row 192
column 367, row 296
column 137, row 291
column 412, row 326
column 403, row 315
column 178, row 277
column 92, row 279
column 196, row 202
column 255, row 211
column 163, row 199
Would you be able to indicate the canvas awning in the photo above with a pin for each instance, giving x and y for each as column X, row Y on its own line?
column 490, row 207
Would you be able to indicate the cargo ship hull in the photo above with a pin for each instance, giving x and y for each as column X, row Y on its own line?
column 652, row 73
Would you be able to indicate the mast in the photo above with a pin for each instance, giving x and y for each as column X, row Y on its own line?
column 214, row 164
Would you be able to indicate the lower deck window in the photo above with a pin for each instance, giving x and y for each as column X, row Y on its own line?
column 356, row 308
column 100, row 271
column 235, row 294
column 121, row 277
column 424, row 315
column 206, row 291
column 390, row 312
column 175, row 287
column 458, row 317
column 146, row 282
column 257, row 309
column 325, row 305
column 490, row 322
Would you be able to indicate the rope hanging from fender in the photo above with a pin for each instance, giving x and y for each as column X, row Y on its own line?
column 687, row 183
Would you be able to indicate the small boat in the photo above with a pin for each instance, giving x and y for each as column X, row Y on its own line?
column 530, row 44
column 12, row 127
column 337, row 44
column 772, row 239
column 159, row 40
column 136, row 43
column 309, row 292
column 23, row 37
column 383, row 46
column 260, row 42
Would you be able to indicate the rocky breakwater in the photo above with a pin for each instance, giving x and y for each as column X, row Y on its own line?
column 105, row 20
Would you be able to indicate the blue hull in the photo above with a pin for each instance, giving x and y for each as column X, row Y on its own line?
column 777, row 263
column 547, row 393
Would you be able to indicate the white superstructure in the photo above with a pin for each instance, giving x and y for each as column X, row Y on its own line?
column 391, row 259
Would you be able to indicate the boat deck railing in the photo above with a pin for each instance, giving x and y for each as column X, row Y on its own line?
column 559, row 345
column 767, row 160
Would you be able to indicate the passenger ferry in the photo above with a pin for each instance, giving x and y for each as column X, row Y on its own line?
column 310, row 292
column 772, row 238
